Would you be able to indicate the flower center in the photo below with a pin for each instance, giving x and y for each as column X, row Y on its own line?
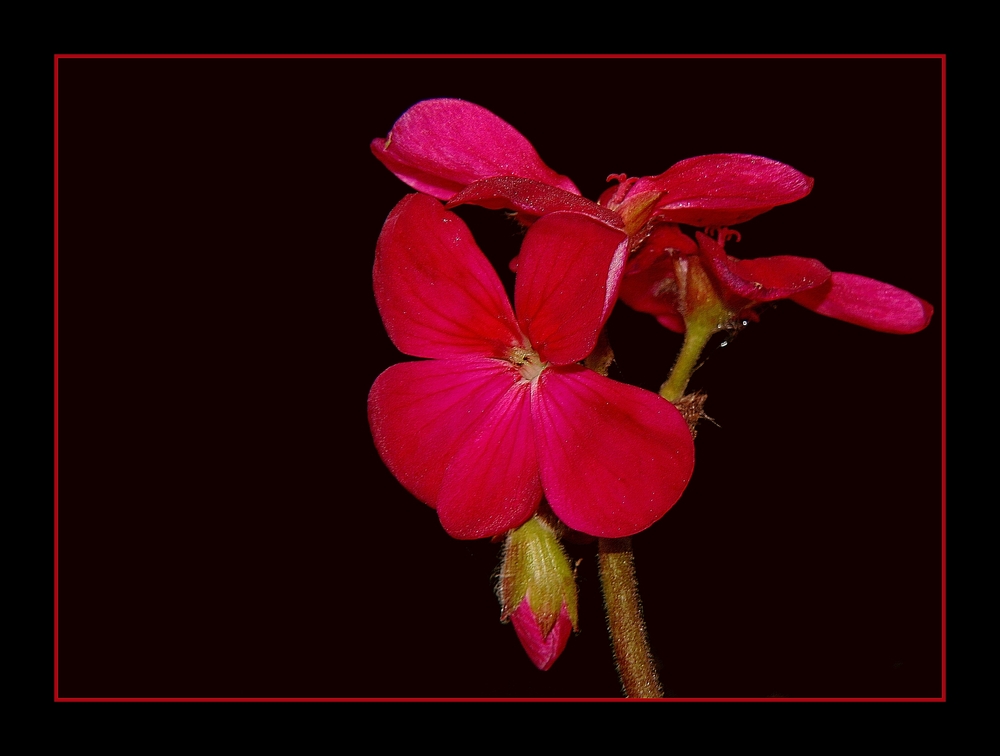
column 527, row 361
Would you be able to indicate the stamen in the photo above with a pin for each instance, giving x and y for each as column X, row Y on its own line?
column 527, row 362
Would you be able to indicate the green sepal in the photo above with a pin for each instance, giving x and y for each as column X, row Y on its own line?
column 536, row 567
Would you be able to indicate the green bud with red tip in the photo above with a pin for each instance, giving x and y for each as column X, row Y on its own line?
column 537, row 590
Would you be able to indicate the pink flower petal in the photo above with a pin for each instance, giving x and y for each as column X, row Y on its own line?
column 543, row 650
column 672, row 321
column 614, row 457
column 492, row 483
column 437, row 293
column 567, row 281
column 440, row 146
column 422, row 412
column 770, row 278
column 722, row 190
column 530, row 197
column 763, row 279
column 869, row 303
column 649, row 284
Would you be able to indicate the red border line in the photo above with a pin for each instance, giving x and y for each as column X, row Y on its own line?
column 535, row 56
column 495, row 700
column 55, row 231
column 943, row 316
column 944, row 383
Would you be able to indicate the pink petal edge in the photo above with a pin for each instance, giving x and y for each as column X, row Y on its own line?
column 762, row 279
column 868, row 303
column 723, row 189
column 530, row 197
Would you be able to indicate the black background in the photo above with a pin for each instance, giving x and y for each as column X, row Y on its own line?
column 225, row 525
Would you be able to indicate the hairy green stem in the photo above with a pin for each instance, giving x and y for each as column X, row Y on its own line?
column 633, row 657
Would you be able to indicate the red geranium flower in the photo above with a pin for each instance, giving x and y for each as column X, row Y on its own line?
column 461, row 152
column 674, row 276
column 501, row 413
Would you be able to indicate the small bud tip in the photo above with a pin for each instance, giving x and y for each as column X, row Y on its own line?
column 543, row 650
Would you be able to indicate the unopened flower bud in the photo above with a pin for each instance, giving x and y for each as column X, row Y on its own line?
column 543, row 650
column 537, row 591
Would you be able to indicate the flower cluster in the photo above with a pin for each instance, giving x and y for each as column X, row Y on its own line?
column 462, row 153
column 500, row 412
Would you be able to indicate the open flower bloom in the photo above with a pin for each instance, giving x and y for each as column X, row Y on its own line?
column 501, row 413
column 675, row 278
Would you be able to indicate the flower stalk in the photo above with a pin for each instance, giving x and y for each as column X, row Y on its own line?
column 695, row 338
column 616, row 561
column 633, row 657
